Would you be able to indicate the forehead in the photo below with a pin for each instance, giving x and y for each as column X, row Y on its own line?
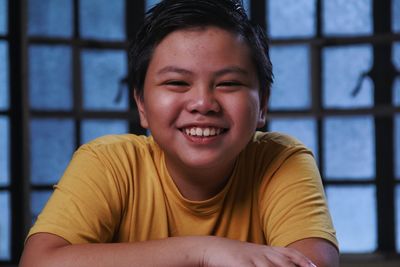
column 211, row 45
column 201, row 32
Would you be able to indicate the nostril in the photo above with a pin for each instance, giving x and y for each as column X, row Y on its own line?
column 204, row 106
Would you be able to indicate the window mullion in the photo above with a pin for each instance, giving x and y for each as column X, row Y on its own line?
column 316, row 86
column 383, row 81
column 19, row 118
column 134, row 15
column 76, row 73
column 258, row 12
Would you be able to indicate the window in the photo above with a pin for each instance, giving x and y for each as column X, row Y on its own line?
column 5, row 140
column 75, row 60
column 330, row 94
column 67, row 88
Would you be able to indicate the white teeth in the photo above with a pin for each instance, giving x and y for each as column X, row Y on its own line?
column 197, row 131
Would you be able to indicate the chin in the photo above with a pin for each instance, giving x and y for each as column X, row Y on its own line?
column 207, row 163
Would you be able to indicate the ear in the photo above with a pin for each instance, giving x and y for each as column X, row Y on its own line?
column 262, row 116
column 142, row 111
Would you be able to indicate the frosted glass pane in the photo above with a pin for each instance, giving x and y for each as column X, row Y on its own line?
column 50, row 77
column 396, row 15
column 92, row 129
column 52, row 145
column 5, row 228
column 102, row 19
column 397, row 145
column 349, row 147
column 102, row 73
column 397, row 206
column 3, row 16
column 4, row 76
column 342, row 67
column 151, row 3
column 396, row 55
column 50, row 18
column 353, row 211
column 38, row 200
column 344, row 17
column 396, row 92
column 4, row 151
column 291, row 88
column 246, row 5
column 304, row 130
column 291, row 18
column 396, row 62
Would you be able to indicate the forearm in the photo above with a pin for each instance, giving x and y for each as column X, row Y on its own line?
column 182, row 251
column 320, row 251
column 46, row 250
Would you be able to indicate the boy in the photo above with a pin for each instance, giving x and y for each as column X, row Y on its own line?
column 205, row 189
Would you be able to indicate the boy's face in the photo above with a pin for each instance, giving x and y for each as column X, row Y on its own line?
column 201, row 98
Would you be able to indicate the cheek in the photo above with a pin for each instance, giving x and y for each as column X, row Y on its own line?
column 155, row 103
column 248, row 109
column 243, row 111
column 161, row 107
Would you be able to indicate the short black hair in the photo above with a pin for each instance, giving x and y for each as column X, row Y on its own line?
column 172, row 15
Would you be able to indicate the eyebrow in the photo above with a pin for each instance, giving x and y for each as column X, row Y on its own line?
column 232, row 69
column 173, row 69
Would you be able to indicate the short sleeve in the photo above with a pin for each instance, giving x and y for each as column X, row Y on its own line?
column 292, row 200
column 85, row 205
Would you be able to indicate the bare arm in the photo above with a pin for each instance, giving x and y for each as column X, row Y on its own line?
column 47, row 250
column 320, row 251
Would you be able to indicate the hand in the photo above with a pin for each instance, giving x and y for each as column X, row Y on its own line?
column 222, row 252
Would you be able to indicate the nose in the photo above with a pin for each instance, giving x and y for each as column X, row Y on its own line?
column 202, row 99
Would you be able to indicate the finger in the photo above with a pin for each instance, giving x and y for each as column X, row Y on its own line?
column 295, row 256
column 275, row 258
column 279, row 261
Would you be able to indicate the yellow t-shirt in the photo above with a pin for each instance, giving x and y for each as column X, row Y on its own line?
column 117, row 189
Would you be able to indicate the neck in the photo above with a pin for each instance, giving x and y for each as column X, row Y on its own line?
column 199, row 184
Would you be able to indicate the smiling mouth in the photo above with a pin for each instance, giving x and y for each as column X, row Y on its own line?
column 203, row 131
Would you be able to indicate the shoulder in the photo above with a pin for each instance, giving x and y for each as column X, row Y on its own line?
column 274, row 145
column 117, row 144
column 117, row 151
column 269, row 151
column 121, row 139
column 275, row 139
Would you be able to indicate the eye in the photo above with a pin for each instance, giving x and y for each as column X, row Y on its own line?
column 179, row 86
column 176, row 83
column 230, row 84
